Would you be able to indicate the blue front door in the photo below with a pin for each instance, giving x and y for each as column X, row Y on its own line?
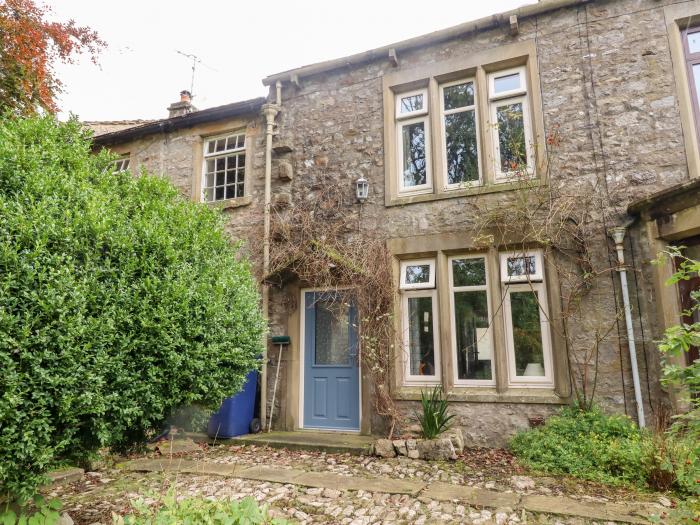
column 331, row 368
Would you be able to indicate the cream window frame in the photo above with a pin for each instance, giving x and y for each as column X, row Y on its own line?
column 227, row 152
column 443, row 132
column 421, row 188
column 546, row 381
column 505, row 98
column 500, row 73
column 408, row 378
column 508, row 279
column 403, row 285
column 415, row 113
column 453, row 328
column 123, row 163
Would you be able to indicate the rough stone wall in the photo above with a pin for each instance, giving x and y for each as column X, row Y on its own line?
column 606, row 82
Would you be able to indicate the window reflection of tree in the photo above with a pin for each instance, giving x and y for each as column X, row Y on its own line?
column 460, row 138
column 527, row 331
column 511, row 137
column 414, row 155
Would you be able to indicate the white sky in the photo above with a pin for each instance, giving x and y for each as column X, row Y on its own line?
column 239, row 43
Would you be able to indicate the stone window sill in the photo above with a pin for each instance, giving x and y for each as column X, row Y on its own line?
column 402, row 200
column 231, row 203
column 538, row 396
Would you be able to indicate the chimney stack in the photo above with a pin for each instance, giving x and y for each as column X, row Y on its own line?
column 177, row 109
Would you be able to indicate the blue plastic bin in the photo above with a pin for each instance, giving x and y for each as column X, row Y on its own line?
column 236, row 412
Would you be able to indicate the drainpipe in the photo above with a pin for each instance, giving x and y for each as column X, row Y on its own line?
column 618, row 235
column 269, row 111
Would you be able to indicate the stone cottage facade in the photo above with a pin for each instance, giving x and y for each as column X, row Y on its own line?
column 593, row 96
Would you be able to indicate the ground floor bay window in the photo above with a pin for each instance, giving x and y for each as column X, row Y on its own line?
column 468, row 319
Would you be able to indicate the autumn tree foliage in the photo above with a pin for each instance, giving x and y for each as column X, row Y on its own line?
column 30, row 46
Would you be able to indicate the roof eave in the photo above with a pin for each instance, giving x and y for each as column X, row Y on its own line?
column 245, row 107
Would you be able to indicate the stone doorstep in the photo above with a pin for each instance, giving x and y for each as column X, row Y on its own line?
column 474, row 496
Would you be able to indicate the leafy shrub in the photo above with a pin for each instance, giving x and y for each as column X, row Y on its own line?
column 200, row 511
column 43, row 513
column 434, row 419
column 119, row 301
column 587, row 444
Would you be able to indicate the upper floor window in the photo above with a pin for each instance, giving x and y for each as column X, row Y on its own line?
column 456, row 153
column 466, row 122
column 512, row 136
column 413, row 143
column 691, row 47
column 121, row 164
column 223, row 175
column 460, row 154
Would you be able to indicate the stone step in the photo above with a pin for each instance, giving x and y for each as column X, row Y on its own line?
column 329, row 442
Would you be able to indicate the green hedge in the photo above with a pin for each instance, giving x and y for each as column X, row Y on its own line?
column 119, row 301
column 587, row 444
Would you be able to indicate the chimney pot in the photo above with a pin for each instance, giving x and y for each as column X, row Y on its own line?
column 183, row 107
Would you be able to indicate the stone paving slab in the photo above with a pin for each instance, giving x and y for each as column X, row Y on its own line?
column 66, row 475
column 596, row 511
column 472, row 495
column 383, row 485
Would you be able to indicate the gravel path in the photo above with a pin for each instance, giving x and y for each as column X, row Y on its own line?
column 93, row 499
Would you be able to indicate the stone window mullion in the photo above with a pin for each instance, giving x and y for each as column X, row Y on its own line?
column 500, row 361
column 436, row 144
column 486, row 158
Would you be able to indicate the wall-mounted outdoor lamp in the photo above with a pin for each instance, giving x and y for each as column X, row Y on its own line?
column 361, row 189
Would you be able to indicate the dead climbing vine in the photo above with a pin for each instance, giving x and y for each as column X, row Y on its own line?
column 318, row 241
column 566, row 218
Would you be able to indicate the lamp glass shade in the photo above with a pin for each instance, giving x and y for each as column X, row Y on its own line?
column 361, row 189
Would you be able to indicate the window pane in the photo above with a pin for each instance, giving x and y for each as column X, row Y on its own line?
column 220, row 144
column 524, row 265
column 511, row 137
column 239, row 190
column 414, row 168
column 241, row 161
column 411, row 104
column 231, row 191
column 209, row 180
column 210, row 147
column 221, row 164
column 220, row 179
column 527, row 333
column 417, row 273
column 209, row 195
column 421, row 348
column 210, row 166
column 219, row 194
column 241, row 141
column 696, row 77
column 468, row 272
column 332, row 332
column 694, row 42
column 473, row 336
column 506, row 83
column 459, row 96
column 460, row 142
